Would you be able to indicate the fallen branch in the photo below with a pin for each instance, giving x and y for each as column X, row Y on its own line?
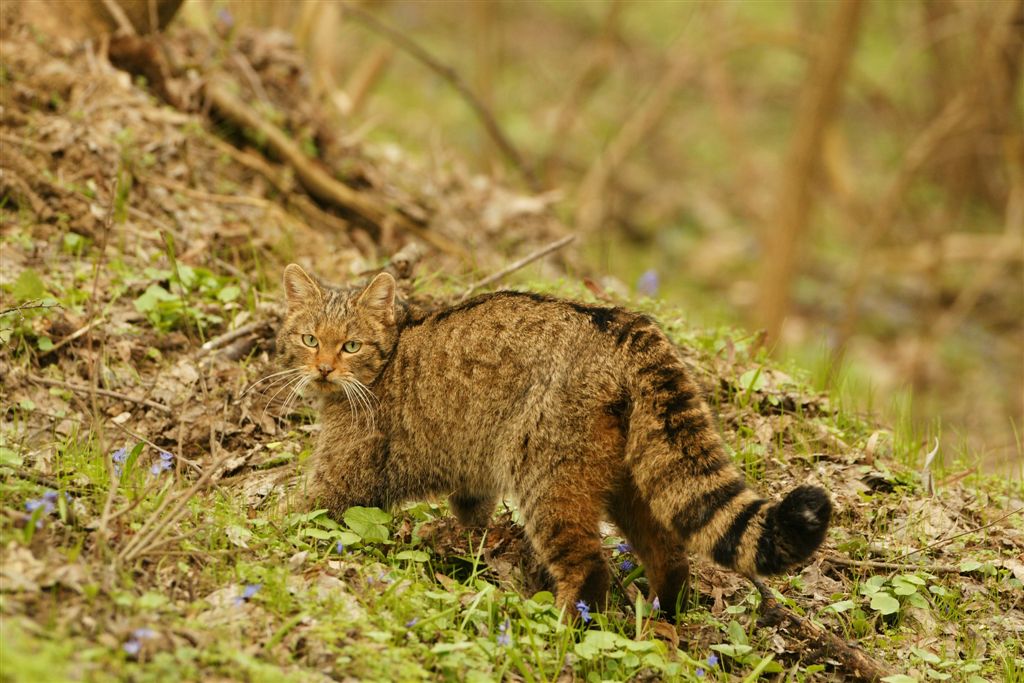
column 28, row 306
column 315, row 179
column 521, row 263
column 80, row 389
column 854, row 663
column 449, row 74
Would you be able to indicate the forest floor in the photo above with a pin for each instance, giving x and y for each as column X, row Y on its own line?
column 144, row 535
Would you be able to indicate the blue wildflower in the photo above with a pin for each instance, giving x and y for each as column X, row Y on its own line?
column 712, row 660
column 143, row 633
column 647, row 283
column 132, row 647
column 165, row 463
column 624, row 548
column 504, row 637
column 584, row 611
column 626, row 565
column 249, row 591
column 700, row 673
column 119, row 457
column 656, row 605
column 225, row 18
column 339, row 547
column 44, row 503
column 411, row 622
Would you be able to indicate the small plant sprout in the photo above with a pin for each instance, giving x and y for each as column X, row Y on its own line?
column 247, row 593
column 584, row 609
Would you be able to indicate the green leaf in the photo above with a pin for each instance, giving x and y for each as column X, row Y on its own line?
column 321, row 534
column 842, row 605
column 732, row 650
column 899, row 678
column 900, row 587
column 969, row 566
column 10, row 457
column 414, row 555
column 884, row 603
column 369, row 523
column 28, row 286
column 229, row 293
column 44, row 344
column 151, row 298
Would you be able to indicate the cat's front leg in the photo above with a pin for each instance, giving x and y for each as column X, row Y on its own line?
column 344, row 476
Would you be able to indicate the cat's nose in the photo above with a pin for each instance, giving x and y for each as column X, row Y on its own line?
column 325, row 369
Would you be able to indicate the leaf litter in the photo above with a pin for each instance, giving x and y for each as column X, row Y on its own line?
column 193, row 252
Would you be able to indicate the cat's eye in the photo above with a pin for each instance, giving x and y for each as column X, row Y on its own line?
column 351, row 346
column 310, row 341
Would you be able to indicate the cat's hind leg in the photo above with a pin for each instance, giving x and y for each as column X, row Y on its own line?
column 661, row 551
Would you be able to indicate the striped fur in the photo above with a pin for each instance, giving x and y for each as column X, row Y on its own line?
column 577, row 411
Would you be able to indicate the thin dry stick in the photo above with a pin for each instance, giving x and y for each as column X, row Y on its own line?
column 228, row 337
column 643, row 119
column 893, row 566
column 449, row 74
column 944, row 541
column 516, row 265
column 854, row 663
column 158, row 524
column 78, row 388
column 123, row 22
column 73, row 336
column 317, row 181
column 28, row 306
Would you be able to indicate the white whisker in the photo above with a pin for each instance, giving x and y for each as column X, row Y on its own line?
column 270, row 377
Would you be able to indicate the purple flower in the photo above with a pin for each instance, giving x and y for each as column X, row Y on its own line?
column 165, row 463
column 249, row 591
column 584, row 611
column 504, row 637
column 700, row 673
column 224, row 17
column 626, row 565
column 143, row 633
column 656, row 605
column 339, row 547
column 119, row 457
column 647, row 283
column 713, row 660
column 624, row 548
column 132, row 647
column 45, row 503
column 411, row 622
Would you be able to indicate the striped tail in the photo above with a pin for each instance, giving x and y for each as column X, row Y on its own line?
column 680, row 467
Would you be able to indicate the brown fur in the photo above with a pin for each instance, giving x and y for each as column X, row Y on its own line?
column 577, row 411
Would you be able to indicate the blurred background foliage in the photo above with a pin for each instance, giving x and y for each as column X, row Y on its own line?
column 847, row 176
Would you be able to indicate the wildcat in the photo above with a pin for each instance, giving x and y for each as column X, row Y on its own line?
column 577, row 411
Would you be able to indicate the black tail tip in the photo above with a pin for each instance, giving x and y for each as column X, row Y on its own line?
column 794, row 529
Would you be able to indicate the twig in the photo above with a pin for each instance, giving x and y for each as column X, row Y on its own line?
column 944, row 541
column 855, row 664
column 205, row 196
column 123, row 22
column 228, row 337
column 890, row 566
column 73, row 336
column 29, row 474
column 315, row 179
column 78, row 388
column 28, row 306
column 449, row 74
column 521, row 263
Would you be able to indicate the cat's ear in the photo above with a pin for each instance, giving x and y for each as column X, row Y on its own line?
column 379, row 296
column 299, row 287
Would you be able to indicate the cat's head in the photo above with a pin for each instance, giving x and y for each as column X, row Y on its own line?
column 337, row 337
